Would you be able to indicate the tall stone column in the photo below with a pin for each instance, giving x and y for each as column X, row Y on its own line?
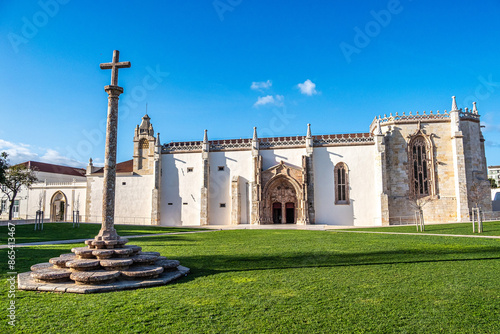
column 108, row 200
column 235, row 201
column 457, row 145
column 255, row 214
column 381, row 178
column 156, row 196
column 308, row 166
column 204, row 214
column 108, row 231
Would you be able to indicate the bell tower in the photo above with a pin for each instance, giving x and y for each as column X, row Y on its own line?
column 144, row 147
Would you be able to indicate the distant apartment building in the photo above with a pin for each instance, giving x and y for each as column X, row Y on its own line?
column 494, row 173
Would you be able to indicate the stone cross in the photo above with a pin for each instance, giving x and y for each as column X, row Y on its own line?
column 108, row 231
column 114, row 66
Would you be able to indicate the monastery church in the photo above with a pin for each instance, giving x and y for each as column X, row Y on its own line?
column 356, row 179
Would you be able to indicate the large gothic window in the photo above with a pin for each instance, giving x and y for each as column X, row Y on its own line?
column 341, row 184
column 420, row 162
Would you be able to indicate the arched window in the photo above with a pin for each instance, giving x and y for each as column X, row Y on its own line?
column 421, row 170
column 144, row 143
column 341, row 183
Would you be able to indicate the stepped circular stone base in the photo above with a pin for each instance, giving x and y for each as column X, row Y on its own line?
column 135, row 249
column 68, row 255
column 103, row 253
column 25, row 282
column 94, row 277
column 110, row 243
column 168, row 264
column 157, row 254
column 51, row 275
column 41, row 266
column 116, row 264
column 60, row 262
column 83, row 264
column 142, row 272
column 122, row 241
column 123, row 252
column 144, row 259
column 83, row 252
column 99, row 243
column 161, row 258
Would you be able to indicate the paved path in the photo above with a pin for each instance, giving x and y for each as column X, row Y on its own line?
column 75, row 241
column 420, row 233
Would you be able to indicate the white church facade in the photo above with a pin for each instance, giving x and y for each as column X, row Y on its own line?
column 358, row 179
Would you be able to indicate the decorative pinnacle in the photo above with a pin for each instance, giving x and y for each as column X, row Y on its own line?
column 90, row 161
column 454, row 104
column 205, row 137
column 254, row 133
column 308, row 131
column 158, row 139
column 474, row 108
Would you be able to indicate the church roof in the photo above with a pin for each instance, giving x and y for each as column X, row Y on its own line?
column 56, row 169
column 122, row 167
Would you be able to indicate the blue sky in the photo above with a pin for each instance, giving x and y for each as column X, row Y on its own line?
column 230, row 65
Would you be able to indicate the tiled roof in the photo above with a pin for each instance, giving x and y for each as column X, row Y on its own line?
column 122, row 167
column 56, row 169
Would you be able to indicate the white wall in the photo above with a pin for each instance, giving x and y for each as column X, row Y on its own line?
column 133, row 199
column 360, row 162
column 235, row 163
column 495, row 198
column 291, row 156
column 178, row 187
column 29, row 199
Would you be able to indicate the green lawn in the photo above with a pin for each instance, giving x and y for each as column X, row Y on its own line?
column 489, row 228
column 286, row 281
column 65, row 231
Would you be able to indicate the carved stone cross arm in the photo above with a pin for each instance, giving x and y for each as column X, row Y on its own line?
column 114, row 66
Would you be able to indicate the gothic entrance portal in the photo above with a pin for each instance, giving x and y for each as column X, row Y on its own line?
column 281, row 202
column 290, row 213
column 58, row 207
column 277, row 213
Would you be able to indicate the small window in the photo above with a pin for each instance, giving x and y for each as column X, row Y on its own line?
column 222, row 205
column 184, row 204
column 124, row 183
column 341, row 183
column 169, row 203
column 221, row 168
column 190, row 169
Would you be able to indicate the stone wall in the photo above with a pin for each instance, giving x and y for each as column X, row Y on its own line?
column 443, row 207
column 475, row 161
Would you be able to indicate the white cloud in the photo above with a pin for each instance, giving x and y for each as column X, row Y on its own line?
column 19, row 152
column 276, row 100
column 261, row 85
column 308, row 88
column 54, row 157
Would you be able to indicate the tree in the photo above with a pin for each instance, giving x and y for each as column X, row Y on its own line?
column 478, row 191
column 418, row 203
column 3, row 166
column 493, row 184
column 14, row 179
